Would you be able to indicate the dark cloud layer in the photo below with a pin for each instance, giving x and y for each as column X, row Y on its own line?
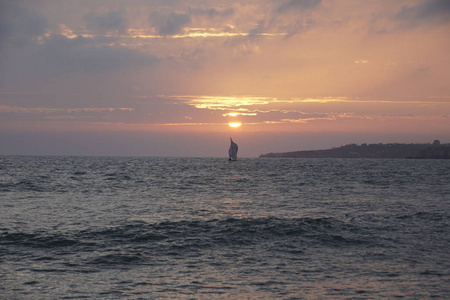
column 298, row 5
column 289, row 16
column 64, row 55
column 113, row 20
column 19, row 25
column 169, row 23
column 212, row 12
column 437, row 10
column 28, row 50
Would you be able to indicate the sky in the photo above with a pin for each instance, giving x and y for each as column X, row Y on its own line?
column 167, row 77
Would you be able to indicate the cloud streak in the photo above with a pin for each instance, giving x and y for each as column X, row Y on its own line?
column 18, row 109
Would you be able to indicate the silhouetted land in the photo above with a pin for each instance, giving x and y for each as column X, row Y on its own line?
column 436, row 150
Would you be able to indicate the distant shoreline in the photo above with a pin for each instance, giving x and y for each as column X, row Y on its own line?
column 434, row 150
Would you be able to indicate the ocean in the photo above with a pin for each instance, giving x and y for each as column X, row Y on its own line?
column 207, row 228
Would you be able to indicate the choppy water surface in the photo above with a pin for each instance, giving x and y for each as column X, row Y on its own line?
column 183, row 228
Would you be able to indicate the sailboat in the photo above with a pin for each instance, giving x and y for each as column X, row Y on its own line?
column 232, row 152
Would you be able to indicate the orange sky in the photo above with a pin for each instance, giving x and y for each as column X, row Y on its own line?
column 105, row 77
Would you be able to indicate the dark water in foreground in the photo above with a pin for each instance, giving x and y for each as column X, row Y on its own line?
column 182, row 228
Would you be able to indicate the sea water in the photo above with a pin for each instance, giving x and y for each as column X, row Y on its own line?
column 207, row 228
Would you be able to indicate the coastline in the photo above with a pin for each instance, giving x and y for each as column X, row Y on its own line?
column 434, row 150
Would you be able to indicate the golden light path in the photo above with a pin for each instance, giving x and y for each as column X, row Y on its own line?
column 234, row 124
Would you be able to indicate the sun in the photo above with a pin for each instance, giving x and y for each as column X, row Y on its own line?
column 234, row 124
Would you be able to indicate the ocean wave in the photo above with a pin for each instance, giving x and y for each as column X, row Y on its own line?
column 116, row 259
column 189, row 235
column 427, row 216
column 39, row 240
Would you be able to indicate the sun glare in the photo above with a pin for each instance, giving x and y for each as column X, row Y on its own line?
column 234, row 125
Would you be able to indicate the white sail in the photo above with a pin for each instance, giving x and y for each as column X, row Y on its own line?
column 232, row 152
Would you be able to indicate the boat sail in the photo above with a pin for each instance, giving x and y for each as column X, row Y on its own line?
column 232, row 152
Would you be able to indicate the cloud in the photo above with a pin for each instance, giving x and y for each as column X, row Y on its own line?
column 46, row 110
column 19, row 25
column 288, row 17
column 212, row 12
column 299, row 5
column 169, row 24
column 60, row 54
column 110, row 21
column 437, row 10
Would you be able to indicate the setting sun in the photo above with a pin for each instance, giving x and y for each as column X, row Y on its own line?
column 234, row 125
